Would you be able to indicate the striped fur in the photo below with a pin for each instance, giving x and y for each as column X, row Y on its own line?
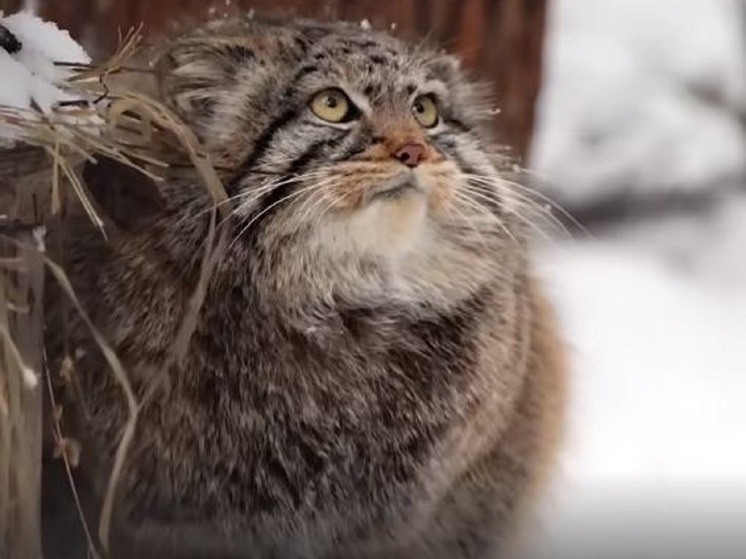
column 373, row 373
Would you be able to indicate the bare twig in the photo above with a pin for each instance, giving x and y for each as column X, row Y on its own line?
column 122, row 379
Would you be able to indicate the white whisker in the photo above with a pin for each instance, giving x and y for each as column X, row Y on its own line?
column 489, row 188
column 475, row 204
column 526, row 193
column 533, row 226
column 270, row 207
column 467, row 220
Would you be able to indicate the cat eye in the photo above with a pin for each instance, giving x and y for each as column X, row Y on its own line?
column 425, row 111
column 332, row 105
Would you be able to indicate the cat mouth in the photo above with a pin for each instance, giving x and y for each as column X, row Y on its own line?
column 395, row 187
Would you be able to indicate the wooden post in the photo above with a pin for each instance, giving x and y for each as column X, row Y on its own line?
column 21, row 352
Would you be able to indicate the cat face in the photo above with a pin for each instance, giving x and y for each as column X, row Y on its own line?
column 346, row 142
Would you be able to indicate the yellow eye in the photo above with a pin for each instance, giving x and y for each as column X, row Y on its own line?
column 425, row 111
column 331, row 105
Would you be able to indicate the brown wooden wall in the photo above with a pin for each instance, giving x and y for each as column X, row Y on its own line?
column 502, row 40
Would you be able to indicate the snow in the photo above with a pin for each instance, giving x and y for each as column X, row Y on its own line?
column 43, row 44
column 653, row 308
column 639, row 99
column 657, row 417
column 13, row 72
column 659, row 362
column 30, row 77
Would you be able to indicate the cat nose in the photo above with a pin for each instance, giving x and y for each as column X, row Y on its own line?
column 411, row 154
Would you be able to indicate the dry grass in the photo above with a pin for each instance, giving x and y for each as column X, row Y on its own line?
column 134, row 129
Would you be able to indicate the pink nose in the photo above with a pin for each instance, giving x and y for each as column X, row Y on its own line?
column 410, row 154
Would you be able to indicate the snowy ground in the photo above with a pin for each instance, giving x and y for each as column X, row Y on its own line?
column 658, row 399
column 654, row 308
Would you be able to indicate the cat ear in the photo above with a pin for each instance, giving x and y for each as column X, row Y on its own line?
column 445, row 66
column 194, row 72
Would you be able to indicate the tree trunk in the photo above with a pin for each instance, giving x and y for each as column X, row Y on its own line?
column 501, row 40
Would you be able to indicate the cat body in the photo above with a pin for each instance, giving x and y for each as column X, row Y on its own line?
column 373, row 371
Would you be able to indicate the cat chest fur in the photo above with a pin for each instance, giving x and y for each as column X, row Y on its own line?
column 271, row 421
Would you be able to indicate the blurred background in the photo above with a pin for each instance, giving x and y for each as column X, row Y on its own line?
column 630, row 115
column 641, row 135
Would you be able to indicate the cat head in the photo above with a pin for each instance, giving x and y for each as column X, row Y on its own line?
column 357, row 163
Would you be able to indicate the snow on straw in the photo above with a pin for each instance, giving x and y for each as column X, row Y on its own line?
column 30, row 77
